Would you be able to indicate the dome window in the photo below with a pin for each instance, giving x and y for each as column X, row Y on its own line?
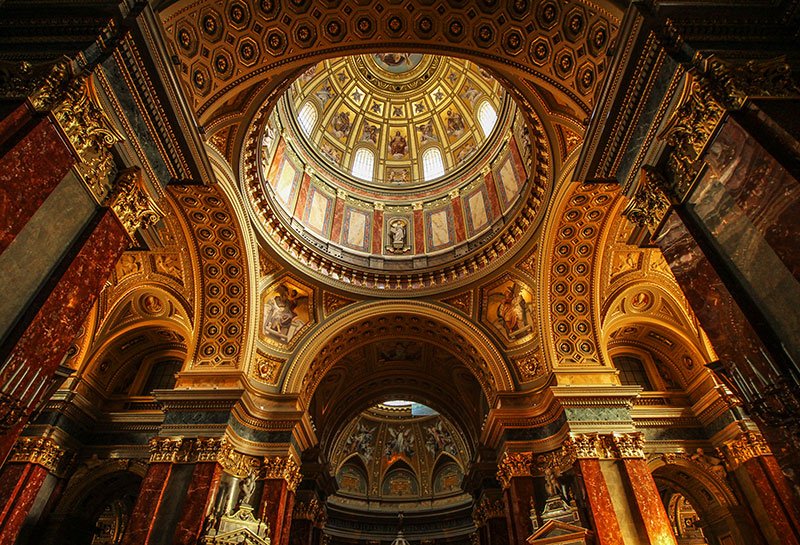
column 432, row 164
column 307, row 118
column 363, row 163
column 487, row 117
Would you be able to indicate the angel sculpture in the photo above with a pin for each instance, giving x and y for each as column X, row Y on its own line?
column 512, row 312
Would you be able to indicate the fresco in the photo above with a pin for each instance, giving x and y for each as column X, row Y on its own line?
column 508, row 309
column 286, row 310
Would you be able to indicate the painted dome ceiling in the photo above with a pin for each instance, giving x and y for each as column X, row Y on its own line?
column 396, row 120
column 395, row 171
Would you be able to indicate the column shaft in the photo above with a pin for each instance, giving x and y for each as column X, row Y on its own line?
column 606, row 527
column 19, row 486
column 649, row 506
column 205, row 480
column 151, row 495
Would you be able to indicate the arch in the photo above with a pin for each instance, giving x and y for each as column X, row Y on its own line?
column 445, row 470
column 363, row 164
column 307, row 117
column 487, row 117
column 324, row 346
column 432, row 163
column 352, row 475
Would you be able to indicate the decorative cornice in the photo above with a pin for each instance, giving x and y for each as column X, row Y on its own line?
column 179, row 450
column 514, row 464
column 626, row 445
column 41, row 451
column 131, row 202
column 583, row 446
column 747, row 446
column 607, row 446
column 236, row 463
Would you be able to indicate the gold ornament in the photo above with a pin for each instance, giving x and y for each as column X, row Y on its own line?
column 131, row 203
column 747, row 446
column 650, row 203
column 627, row 445
column 488, row 509
column 41, row 451
column 515, row 464
column 282, row 468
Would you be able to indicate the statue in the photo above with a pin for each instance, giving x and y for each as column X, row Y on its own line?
column 246, row 488
column 551, row 484
column 398, row 236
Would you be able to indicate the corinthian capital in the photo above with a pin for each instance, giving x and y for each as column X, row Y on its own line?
column 131, row 202
column 514, row 464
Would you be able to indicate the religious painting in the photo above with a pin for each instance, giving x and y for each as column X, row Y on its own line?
column 509, row 310
column 356, row 229
column 351, row 480
column 286, row 184
column 465, row 151
column 361, row 441
column 286, row 310
column 329, row 151
column 471, row 94
column 341, row 124
column 439, row 228
column 324, row 93
column 478, row 213
column 398, row 175
column 439, row 439
column 454, row 124
column 318, row 211
column 399, row 442
column 508, row 180
column 448, row 479
column 398, row 143
column 400, row 482
column 370, row 133
column 397, row 63
column 427, row 132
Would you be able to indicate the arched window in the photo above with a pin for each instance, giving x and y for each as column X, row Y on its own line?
column 487, row 117
column 363, row 162
column 432, row 164
column 307, row 118
column 162, row 376
column 632, row 372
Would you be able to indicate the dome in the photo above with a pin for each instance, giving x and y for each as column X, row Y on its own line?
column 395, row 171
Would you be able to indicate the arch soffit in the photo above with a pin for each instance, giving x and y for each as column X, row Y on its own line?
column 575, row 227
column 721, row 493
column 562, row 67
column 86, row 479
column 307, row 368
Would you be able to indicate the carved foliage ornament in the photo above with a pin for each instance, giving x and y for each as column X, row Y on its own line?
column 650, row 203
column 614, row 445
column 514, row 464
column 131, row 203
column 488, row 509
column 311, row 510
column 715, row 87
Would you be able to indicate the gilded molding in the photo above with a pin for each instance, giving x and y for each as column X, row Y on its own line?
column 514, row 464
column 131, row 202
column 179, row 450
column 607, row 446
column 583, row 446
column 747, row 446
column 235, row 463
column 41, row 451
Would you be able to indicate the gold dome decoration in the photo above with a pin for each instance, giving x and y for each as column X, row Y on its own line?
column 397, row 106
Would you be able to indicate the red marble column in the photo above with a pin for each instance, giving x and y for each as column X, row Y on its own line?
column 19, row 486
column 458, row 219
column 151, row 494
column 518, row 507
column 377, row 232
column 205, row 481
column 771, row 499
column 419, row 232
column 606, row 527
column 648, row 502
column 34, row 159
column 41, row 345
column 277, row 502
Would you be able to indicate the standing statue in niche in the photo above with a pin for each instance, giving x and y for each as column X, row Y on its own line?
column 398, row 237
column 551, row 484
column 246, row 488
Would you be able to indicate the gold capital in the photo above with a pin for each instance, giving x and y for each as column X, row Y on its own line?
column 131, row 203
column 514, row 464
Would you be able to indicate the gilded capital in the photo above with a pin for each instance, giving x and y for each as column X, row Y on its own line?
column 311, row 510
column 626, row 445
column 41, row 451
column 235, row 463
column 488, row 509
column 169, row 450
column 747, row 446
column 282, row 468
column 583, row 446
column 131, row 202
column 514, row 464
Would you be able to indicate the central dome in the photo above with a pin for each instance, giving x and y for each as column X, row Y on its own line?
column 395, row 120
column 395, row 171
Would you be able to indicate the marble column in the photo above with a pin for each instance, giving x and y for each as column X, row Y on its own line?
column 598, row 500
column 33, row 160
column 36, row 353
column 21, row 479
column 514, row 474
column 765, row 488
column 281, row 477
column 199, row 496
column 151, row 495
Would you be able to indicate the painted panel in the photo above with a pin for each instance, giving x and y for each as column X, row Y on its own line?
column 317, row 214
column 439, row 228
column 356, row 229
column 508, row 181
